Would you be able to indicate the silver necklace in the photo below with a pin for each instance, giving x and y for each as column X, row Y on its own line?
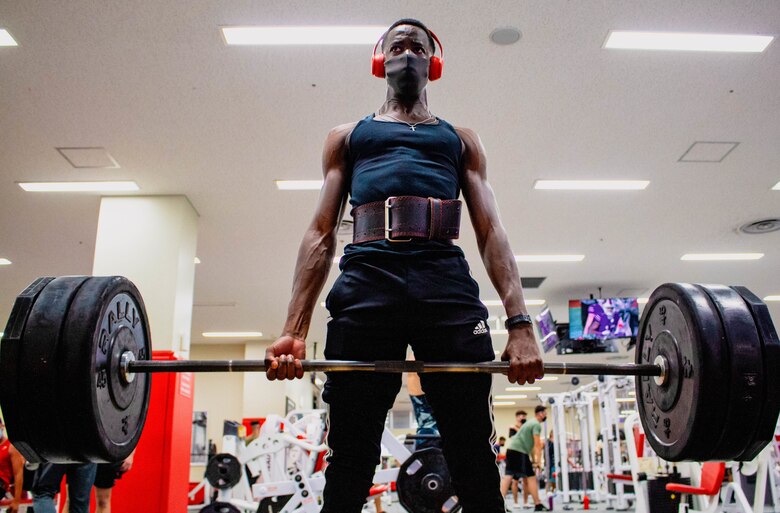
column 410, row 125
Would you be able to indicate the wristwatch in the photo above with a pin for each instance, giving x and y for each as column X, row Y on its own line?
column 517, row 320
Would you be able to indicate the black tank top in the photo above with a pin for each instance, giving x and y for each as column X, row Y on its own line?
column 390, row 159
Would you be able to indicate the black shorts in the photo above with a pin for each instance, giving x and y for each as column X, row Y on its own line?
column 107, row 474
column 380, row 304
column 518, row 465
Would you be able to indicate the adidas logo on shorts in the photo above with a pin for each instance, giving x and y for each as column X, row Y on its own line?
column 480, row 328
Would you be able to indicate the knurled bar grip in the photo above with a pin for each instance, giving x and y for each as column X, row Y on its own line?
column 628, row 369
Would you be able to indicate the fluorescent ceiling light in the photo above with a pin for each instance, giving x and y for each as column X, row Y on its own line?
column 776, row 187
column 522, row 389
column 528, row 302
column 78, row 186
column 549, row 258
column 686, row 41
column 642, row 300
column 626, row 413
column 721, row 256
column 591, row 185
column 516, row 396
column 6, row 39
column 232, row 334
column 298, row 185
column 548, row 378
column 503, row 403
column 772, row 298
column 626, row 399
column 631, row 392
column 5, row 261
column 317, row 35
column 197, row 260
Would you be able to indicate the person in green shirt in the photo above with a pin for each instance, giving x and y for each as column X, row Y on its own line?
column 524, row 456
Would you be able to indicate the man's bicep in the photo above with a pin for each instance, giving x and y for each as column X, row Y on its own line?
column 335, row 178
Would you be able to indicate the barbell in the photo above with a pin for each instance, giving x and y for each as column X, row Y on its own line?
column 76, row 355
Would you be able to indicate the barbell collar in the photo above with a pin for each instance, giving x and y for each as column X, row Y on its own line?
column 137, row 366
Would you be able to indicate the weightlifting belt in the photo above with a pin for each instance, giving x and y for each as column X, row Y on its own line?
column 404, row 218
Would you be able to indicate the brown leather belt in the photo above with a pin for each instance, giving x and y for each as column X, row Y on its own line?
column 405, row 218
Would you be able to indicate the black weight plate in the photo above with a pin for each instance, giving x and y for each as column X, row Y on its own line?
column 220, row 507
column 424, row 485
column 273, row 504
column 39, row 381
column 745, row 372
column 10, row 369
column 770, row 344
column 683, row 315
column 223, row 471
column 107, row 413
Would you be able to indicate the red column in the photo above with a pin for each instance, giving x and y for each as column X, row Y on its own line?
column 159, row 479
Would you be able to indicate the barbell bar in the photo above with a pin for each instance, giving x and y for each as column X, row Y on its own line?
column 76, row 354
column 130, row 366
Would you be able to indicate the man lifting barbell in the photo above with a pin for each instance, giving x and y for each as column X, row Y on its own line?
column 76, row 350
column 403, row 280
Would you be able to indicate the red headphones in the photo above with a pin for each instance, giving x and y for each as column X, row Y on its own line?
column 434, row 68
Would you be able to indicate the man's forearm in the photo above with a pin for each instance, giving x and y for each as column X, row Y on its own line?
column 502, row 270
column 315, row 256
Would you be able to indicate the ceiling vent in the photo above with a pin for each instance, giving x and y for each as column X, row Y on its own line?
column 759, row 227
column 708, row 151
column 88, row 158
column 532, row 283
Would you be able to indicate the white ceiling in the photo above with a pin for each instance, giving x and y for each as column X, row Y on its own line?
column 182, row 113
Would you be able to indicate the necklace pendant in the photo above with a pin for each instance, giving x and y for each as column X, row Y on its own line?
column 412, row 128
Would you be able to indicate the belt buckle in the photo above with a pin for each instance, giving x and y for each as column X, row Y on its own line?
column 388, row 237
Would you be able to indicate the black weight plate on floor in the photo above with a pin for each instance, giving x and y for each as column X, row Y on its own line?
column 424, row 485
column 10, row 370
column 770, row 346
column 107, row 415
column 682, row 315
column 745, row 373
column 223, row 471
column 40, row 381
column 220, row 507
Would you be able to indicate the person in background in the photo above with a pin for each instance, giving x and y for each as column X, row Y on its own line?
column 11, row 471
column 520, row 418
column 46, row 485
column 255, row 434
column 526, row 450
column 105, row 479
column 499, row 444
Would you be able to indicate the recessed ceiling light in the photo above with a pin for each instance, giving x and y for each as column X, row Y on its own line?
column 776, row 187
column 6, row 39
column 232, row 334
column 528, row 302
column 721, row 256
column 298, row 185
column 79, row 186
column 772, row 298
column 516, row 396
column 591, row 185
column 5, row 261
column 197, row 260
column 503, row 403
column 686, row 41
column 549, row 258
column 316, row 35
column 505, row 35
column 522, row 389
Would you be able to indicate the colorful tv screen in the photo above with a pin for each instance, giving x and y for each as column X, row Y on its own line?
column 603, row 318
column 546, row 325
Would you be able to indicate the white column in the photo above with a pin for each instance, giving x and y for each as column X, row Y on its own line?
column 151, row 240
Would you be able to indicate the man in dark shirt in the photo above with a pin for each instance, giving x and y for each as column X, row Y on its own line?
column 400, row 285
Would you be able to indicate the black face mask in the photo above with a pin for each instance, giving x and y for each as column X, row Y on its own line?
column 543, row 419
column 406, row 74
